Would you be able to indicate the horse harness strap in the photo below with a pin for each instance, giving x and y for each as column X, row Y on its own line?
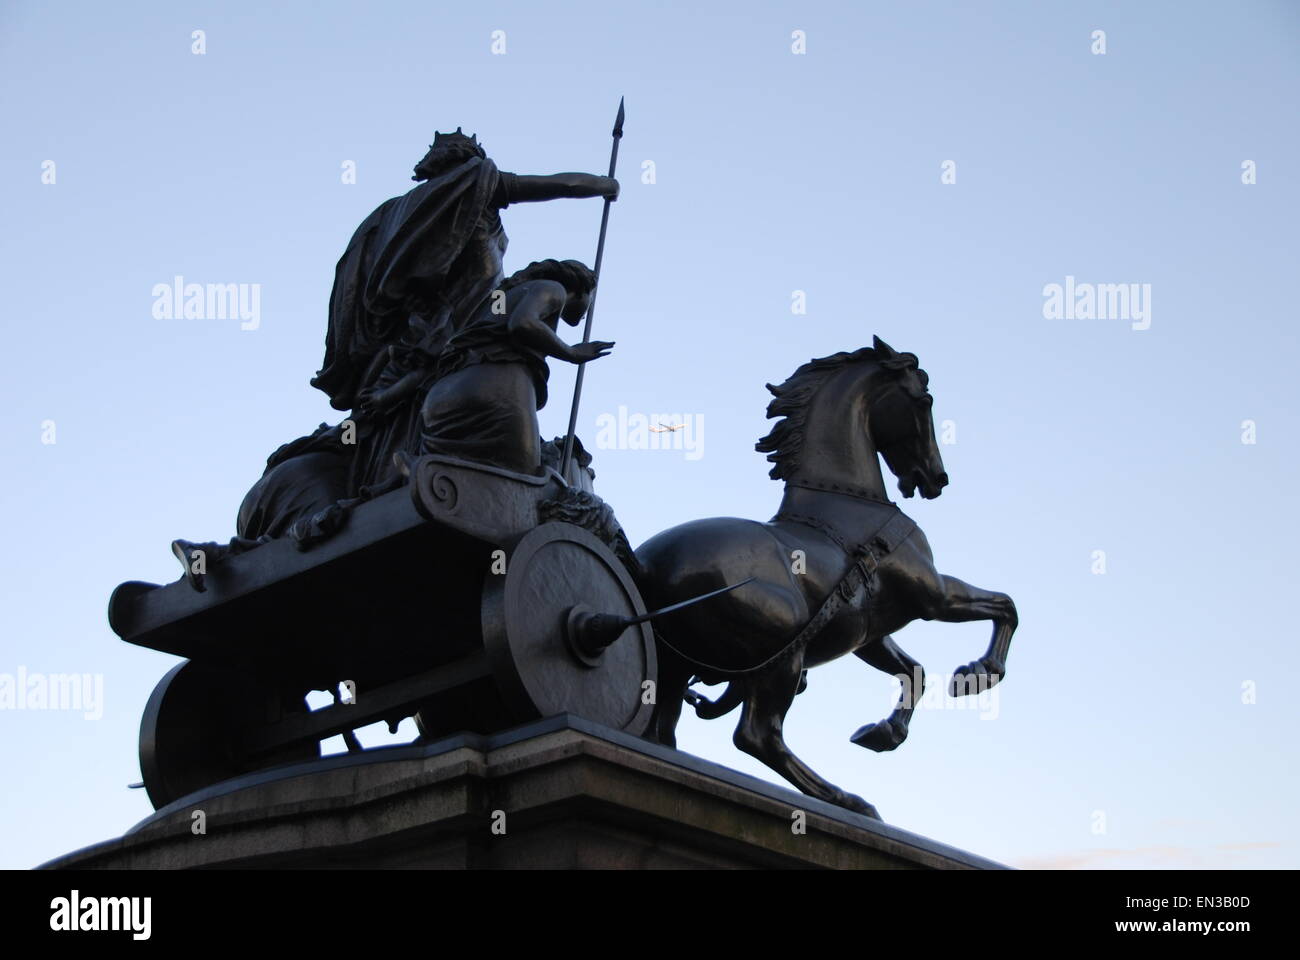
column 861, row 574
column 866, row 557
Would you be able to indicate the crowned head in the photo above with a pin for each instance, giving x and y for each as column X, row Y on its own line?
column 448, row 150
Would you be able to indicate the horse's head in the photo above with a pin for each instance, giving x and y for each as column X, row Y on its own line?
column 900, row 418
column 838, row 412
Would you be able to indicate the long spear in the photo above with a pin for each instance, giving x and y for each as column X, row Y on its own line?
column 591, row 307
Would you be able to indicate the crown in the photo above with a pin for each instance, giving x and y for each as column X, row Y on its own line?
column 447, row 147
column 450, row 139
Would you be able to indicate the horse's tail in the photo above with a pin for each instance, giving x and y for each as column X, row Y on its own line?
column 705, row 708
column 731, row 698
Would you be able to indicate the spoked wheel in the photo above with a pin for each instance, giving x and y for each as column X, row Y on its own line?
column 194, row 727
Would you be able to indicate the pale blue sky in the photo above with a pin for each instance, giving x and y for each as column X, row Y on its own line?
column 775, row 172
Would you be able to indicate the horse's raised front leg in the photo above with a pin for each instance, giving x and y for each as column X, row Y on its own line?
column 759, row 733
column 959, row 602
column 886, row 656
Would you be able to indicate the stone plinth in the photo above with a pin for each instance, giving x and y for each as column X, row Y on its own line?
column 570, row 794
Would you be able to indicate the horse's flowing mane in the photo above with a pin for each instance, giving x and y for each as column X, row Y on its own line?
column 791, row 400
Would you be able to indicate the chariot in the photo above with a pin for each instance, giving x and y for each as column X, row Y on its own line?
column 458, row 599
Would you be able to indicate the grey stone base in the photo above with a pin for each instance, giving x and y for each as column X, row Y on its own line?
column 571, row 794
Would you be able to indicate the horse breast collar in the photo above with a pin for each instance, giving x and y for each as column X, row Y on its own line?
column 865, row 557
column 887, row 537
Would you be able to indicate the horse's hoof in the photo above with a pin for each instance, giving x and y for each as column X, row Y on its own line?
column 880, row 737
column 855, row 803
column 974, row 678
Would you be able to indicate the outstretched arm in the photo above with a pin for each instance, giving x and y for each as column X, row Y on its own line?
column 528, row 189
column 545, row 298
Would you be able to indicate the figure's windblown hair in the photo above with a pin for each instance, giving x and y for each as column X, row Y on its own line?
column 573, row 275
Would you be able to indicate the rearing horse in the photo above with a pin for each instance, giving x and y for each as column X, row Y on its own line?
column 836, row 571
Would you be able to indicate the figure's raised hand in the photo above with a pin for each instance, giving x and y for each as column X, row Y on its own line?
column 610, row 190
column 591, row 350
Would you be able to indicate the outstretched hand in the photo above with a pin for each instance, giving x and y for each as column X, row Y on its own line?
column 591, row 350
column 611, row 189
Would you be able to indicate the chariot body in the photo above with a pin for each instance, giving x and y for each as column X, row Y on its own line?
column 470, row 598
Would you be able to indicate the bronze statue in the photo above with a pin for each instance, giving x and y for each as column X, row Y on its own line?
column 417, row 271
column 473, row 578
column 837, row 570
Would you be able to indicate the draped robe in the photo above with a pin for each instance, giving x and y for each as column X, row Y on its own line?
column 413, row 273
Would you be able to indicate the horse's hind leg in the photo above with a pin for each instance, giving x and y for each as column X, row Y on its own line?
column 760, row 734
column 670, row 688
column 886, row 656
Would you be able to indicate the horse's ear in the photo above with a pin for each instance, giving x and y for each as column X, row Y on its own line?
column 885, row 350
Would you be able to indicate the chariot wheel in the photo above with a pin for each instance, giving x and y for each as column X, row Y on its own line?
column 194, row 725
column 557, row 572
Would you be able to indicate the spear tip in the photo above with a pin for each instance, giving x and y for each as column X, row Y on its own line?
column 618, row 121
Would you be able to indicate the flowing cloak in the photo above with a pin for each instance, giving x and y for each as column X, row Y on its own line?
column 438, row 249
column 301, row 478
column 415, row 269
